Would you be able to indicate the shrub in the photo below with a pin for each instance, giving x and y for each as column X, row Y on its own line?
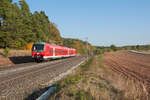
column 113, row 47
column 83, row 95
column 6, row 52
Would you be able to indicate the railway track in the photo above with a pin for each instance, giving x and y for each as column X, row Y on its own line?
column 19, row 83
column 130, row 65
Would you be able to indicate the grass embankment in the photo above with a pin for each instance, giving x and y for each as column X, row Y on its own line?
column 10, row 57
column 14, row 53
column 93, row 81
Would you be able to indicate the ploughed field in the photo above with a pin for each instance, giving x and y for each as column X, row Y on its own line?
column 130, row 64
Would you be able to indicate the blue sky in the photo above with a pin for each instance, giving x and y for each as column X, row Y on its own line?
column 104, row 22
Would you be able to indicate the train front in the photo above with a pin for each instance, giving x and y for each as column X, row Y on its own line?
column 38, row 51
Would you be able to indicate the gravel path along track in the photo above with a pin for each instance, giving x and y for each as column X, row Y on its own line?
column 130, row 64
column 19, row 82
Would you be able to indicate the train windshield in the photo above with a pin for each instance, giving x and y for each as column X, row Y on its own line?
column 38, row 48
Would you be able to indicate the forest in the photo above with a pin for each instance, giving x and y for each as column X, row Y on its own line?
column 20, row 27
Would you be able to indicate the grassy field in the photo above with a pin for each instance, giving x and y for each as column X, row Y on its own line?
column 93, row 81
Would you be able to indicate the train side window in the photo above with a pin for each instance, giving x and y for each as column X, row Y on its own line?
column 70, row 52
column 51, row 51
column 47, row 48
column 55, row 51
column 60, row 51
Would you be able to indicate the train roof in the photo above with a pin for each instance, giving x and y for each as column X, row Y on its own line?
column 39, row 42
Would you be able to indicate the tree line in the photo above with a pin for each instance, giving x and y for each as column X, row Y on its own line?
column 103, row 49
column 19, row 26
column 82, row 47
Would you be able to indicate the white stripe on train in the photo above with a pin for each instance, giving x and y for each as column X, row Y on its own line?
column 54, row 57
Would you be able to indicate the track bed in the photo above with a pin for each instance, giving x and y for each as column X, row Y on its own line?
column 19, row 82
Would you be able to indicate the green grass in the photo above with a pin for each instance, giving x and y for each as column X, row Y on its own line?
column 86, row 65
column 103, row 86
column 83, row 95
column 100, row 57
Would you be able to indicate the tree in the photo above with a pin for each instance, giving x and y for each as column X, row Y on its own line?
column 54, row 33
column 37, row 27
column 79, row 45
column 6, row 28
column 16, row 27
column 113, row 47
column 138, row 47
column 26, row 34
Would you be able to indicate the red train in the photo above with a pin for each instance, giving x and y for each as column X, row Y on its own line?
column 44, row 51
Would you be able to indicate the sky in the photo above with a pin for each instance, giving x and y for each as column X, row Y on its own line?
column 103, row 22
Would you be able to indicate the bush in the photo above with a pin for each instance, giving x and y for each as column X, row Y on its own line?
column 83, row 95
column 6, row 52
column 113, row 47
